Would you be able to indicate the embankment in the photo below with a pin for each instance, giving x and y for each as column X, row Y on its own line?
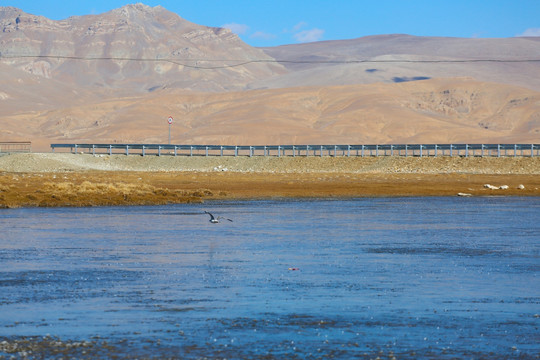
column 46, row 179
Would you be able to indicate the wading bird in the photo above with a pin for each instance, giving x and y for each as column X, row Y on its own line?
column 215, row 220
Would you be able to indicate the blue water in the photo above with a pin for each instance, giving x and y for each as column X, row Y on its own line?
column 405, row 277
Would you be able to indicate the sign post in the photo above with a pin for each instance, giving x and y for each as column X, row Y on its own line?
column 170, row 123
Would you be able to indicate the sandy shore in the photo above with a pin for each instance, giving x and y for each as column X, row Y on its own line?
column 46, row 179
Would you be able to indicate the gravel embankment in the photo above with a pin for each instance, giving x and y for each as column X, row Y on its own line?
column 62, row 162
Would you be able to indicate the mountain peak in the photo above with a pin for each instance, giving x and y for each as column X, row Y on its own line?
column 13, row 19
column 146, row 16
column 138, row 8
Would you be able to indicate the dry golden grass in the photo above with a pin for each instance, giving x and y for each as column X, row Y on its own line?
column 28, row 190
column 107, row 188
column 89, row 188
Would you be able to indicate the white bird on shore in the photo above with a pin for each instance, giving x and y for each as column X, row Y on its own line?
column 215, row 220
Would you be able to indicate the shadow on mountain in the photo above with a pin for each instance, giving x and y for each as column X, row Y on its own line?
column 398, row 79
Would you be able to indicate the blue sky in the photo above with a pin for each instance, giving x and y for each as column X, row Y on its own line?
column 277, row 22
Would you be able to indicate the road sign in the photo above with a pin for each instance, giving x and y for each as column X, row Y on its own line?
column 169, row 120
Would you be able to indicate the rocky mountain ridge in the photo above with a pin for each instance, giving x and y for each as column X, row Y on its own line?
column 135, row 47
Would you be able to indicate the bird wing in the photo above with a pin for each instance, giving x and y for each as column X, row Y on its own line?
column 221, row 217
column 211, row 216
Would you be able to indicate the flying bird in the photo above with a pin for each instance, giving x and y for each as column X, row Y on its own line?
column 215, row 220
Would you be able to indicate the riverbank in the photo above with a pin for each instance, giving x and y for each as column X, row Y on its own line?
column 28, row 180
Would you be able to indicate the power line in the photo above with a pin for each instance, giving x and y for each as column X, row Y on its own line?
column 243, row 62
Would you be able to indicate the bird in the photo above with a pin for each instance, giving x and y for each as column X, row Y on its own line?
column 215, row 220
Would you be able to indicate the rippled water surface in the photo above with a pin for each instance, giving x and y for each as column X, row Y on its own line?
column 403, row 277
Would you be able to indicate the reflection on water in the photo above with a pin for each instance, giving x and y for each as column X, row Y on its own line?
column 404, row 277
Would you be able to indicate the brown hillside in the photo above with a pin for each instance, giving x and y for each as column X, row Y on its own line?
column 431, row 111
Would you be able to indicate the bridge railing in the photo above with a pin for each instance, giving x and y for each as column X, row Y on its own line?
column 416, row 150
column 15, row 146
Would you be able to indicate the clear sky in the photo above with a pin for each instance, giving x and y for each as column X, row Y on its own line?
column 277, row 22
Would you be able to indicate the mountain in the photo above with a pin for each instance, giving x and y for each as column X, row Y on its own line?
column 117, row 76
column 399, row 58
column 140, row 48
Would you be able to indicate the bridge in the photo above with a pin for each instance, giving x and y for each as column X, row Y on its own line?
column 417, row 150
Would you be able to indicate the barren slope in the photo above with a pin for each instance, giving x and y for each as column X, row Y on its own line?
column 430, row 111
column 399, row 58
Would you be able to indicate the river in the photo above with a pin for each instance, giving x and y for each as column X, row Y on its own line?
column 439, row 277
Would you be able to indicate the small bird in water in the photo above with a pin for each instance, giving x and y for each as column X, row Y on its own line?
column 215, row 220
